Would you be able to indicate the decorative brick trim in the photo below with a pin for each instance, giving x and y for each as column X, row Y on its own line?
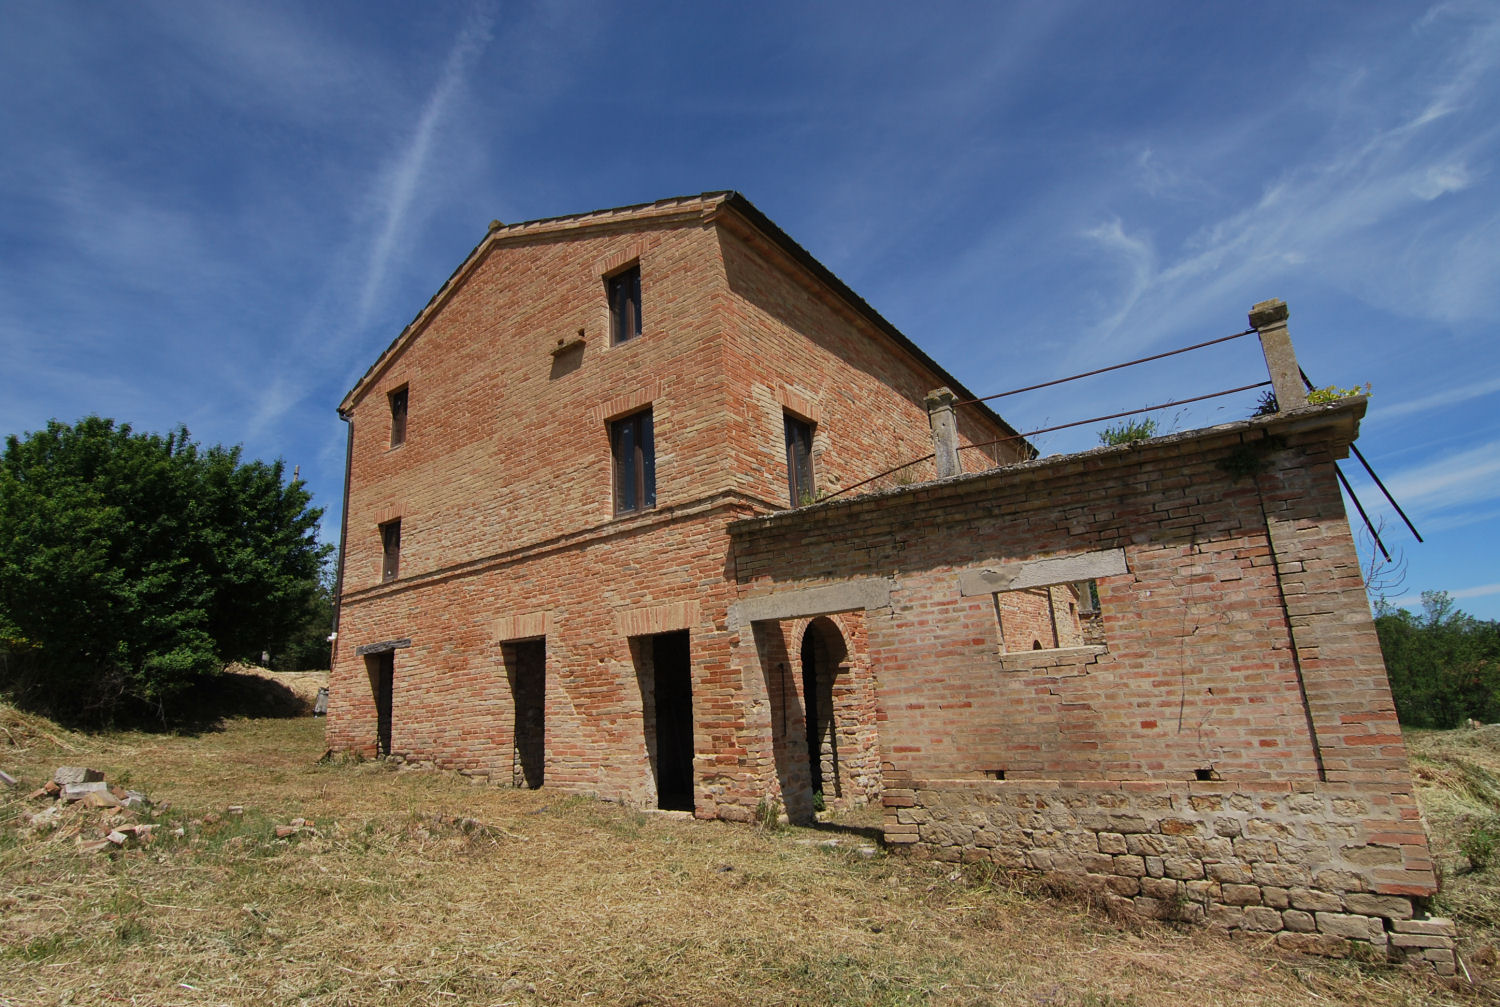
column 802, row 405
column 391, row 512
column 522, row 627
column 622, row 405
column 620, row 258
column 657, row 619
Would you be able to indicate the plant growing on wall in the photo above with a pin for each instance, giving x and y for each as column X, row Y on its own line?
column 1129, row 431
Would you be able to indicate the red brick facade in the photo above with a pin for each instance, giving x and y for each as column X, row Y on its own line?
column 503, row 487
column 1227, row 750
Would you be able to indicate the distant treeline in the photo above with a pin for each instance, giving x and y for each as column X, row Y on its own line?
column 1444, row 664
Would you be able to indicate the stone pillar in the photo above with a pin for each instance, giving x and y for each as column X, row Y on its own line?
column 940, row 416
column 1269, row 319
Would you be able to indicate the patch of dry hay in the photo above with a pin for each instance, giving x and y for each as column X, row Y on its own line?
column 418, row 888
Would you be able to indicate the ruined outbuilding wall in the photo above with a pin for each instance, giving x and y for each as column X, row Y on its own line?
column 1230, row 752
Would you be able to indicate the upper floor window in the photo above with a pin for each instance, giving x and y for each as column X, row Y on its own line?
column 624, row 304
column 799, row 471
column 398, row 416
column 633, row 444
column 390, row 542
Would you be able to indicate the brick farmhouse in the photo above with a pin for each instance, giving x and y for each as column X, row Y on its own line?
column 585, row 548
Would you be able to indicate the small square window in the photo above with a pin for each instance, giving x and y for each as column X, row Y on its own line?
column 398, row 416
column 1058, row 616
column 624, row 304
column 390, row 542
column 799, row 470
column 633, row 444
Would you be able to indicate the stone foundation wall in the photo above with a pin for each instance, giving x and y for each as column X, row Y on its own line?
column 1320, row 865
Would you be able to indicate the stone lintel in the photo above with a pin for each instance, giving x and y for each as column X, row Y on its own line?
column 1042, row 572
column 874, row 592
column 382, row 647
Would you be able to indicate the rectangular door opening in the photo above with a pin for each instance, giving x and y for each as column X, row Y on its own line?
column 526, row 664
column 664, row 664
column 382, row 671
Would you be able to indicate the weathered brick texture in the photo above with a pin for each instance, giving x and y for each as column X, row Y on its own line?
column 503, row 487
column 1229, row 752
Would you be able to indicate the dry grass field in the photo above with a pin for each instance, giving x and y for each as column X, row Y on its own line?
column 417, row 888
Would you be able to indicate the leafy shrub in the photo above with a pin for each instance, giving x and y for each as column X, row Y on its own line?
column 133, row 565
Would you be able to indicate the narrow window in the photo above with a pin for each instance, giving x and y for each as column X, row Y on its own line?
column 390, row 540
column 398, row 416
column 799, row 472
column 624, row 305
column 633, row 444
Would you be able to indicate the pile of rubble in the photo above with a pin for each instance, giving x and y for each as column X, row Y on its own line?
column 98, row 815
column 77, row 789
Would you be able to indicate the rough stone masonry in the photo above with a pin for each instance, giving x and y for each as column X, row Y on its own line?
column 1228, row 752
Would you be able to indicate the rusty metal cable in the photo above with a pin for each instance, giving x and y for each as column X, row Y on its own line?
column 1045, row 430
column 1354, row 449
column 1105, row 370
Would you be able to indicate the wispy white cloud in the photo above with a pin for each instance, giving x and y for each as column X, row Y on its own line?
column 1369, row 207
column 1438, row 400
column 1480, row 591
column 409, row 170
column 1456, row 480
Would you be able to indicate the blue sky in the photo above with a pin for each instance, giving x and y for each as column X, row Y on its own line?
column 218, row 214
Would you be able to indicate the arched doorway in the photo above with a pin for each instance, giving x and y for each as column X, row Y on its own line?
column 824, row 656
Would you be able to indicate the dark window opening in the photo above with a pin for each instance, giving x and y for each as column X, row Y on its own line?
column 633, row 444
column 398, row 416
column 799, row 472
column 624, row 305
column 390, row 541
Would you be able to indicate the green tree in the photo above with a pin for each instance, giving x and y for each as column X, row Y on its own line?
column 132, row 565
column 1444, row 664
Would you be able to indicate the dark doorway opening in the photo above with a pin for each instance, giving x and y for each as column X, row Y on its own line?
column 816, row 710
column 823, row 655
column 526, row 664
column 382, row 671
column 667, row 687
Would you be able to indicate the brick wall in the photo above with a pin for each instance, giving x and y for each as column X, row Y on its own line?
column 503, row 487
column 1239, row 663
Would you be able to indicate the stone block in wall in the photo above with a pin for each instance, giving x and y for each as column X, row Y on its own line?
column 1148, row 844
column 1313, row 900
column 1262, row 918
column 1111, row 842
column 1420, row 941
column 1276, row 898
column 1339, row 881
column 1130, row 867
column 1435, row 925
column 1282, row 875
column 1228, row 917
column 1160, row 888
column 1392, row 907
column 1296, row 919
column 1241, row 895
column 1122, row 886
column 1183, row 868
column 1232, row 873
column 1354, row 926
